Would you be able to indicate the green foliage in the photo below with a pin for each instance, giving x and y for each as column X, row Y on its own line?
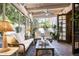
column 46, row 24
column 35, row 23
column 54, row 26
column 1, row 6
column 12, row 13
column 77, row 15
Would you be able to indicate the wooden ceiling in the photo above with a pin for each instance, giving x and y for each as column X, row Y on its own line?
column 41, row 9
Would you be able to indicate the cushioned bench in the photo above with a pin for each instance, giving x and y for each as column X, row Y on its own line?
column 26, row 43
column 19, row 41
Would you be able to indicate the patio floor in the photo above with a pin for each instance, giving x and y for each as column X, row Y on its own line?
column 61, row 49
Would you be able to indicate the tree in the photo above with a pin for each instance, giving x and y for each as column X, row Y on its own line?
column 12, row 13
column 46, row 24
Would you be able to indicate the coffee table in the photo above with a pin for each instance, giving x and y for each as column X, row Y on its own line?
column 46, row 50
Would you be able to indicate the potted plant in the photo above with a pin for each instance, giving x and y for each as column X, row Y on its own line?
column 54, row 34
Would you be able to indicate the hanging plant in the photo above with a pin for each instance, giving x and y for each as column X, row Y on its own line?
column 18, row 29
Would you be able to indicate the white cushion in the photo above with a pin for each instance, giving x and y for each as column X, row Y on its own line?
column 26, row 43
column 20, row 38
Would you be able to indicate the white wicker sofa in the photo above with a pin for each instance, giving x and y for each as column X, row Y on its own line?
column 21, row 42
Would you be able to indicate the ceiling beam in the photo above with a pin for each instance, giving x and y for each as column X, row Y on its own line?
column 48, row 6
column 44, row 16
column 21, row 9
column 66, row 10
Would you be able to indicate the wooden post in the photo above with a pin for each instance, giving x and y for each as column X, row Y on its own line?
column 73, row 39
column 57, row 27
column 4, row 43
column 3, row 11
column 25, row 29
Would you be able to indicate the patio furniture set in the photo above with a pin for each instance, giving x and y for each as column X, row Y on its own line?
column 18, row 44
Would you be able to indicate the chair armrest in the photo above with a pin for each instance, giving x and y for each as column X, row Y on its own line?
column 19, row 45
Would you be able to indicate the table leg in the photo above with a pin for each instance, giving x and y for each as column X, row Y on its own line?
column 53, row 52
column 36, row 52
